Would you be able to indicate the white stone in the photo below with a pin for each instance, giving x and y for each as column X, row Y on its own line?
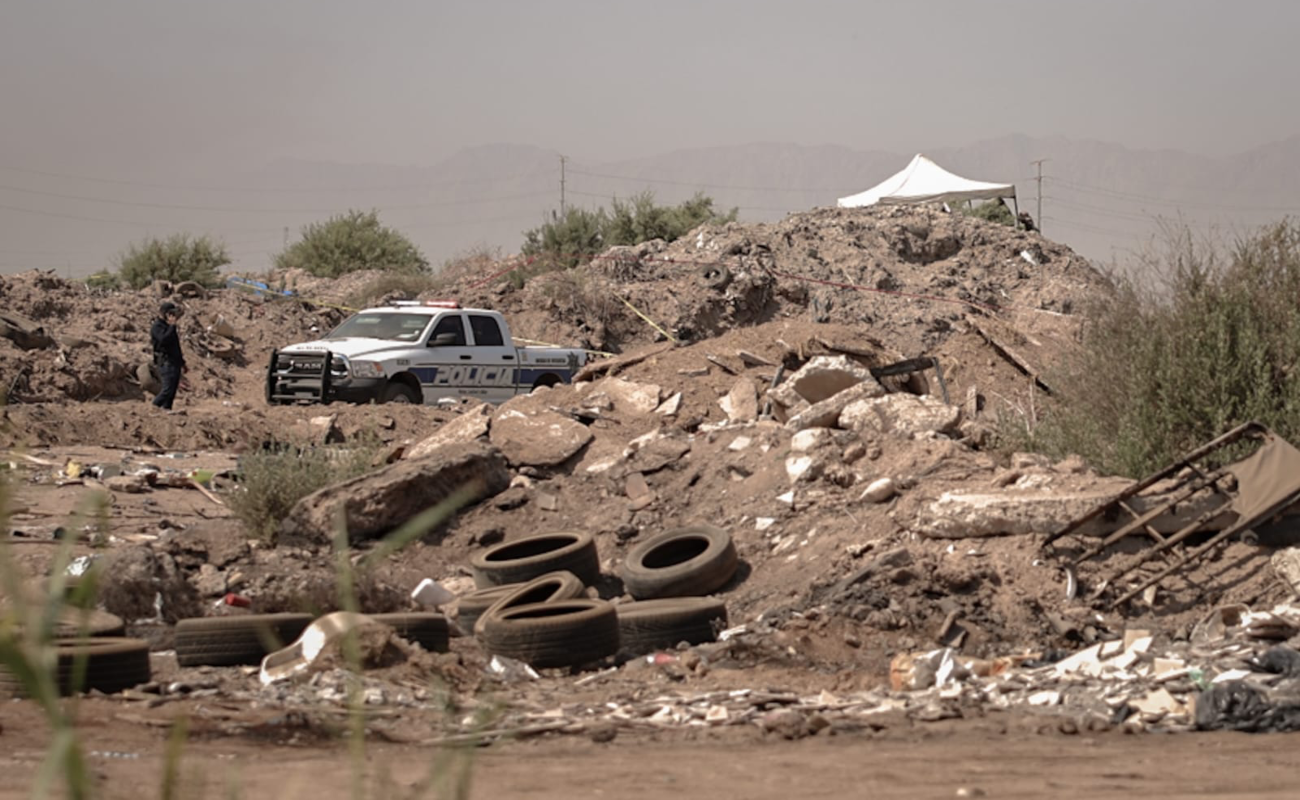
column 809, row 439
column 670, row 406
column 740, row 443
column 641, row 398
column 878, row 491
column 900, row 414
column 798, row 466
column 763, row 523
column 787, row 498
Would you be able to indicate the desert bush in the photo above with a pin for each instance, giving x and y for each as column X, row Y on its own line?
column 389, row 286
column 991, row 211
column 274, row 478
column 348, row 243
column 572, row 239
column 1211, row 342
column 103, row 280
column 567, row 240
column 177, row 258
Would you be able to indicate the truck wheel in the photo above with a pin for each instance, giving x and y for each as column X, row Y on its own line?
column 399, row 393
column 548, row 380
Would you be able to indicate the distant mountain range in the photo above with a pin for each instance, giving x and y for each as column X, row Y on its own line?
column 1103, row 199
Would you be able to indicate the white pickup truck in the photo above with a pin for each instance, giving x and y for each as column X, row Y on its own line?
column 416, row 352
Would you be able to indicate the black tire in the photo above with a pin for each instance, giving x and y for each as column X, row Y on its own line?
column 112, row 664
column 549, row 588
column 649, row 625
column 682, row 562
column 429, row 630
column 228, row 641
column 715, row 276
column 471, row 607
column 396, row 392
column 74, row 622
column 522, row 560
column 564, row 634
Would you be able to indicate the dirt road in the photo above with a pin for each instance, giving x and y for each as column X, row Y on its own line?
column 997, row 757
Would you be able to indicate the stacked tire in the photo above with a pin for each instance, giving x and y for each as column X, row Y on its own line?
column 669, row 576
column 530, row 606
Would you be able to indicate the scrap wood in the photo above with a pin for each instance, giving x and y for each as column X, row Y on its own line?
column 206, row 493
column 32, row 459
column 1011, row 357
column 722, row 365
column 522, row 730
column 613, row 366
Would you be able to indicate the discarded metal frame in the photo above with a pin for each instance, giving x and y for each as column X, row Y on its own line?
column 1251, row 505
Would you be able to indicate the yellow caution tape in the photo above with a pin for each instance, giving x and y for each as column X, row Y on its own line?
column 647, row 319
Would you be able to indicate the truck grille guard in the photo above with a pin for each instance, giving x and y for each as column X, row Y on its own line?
column 299, row 377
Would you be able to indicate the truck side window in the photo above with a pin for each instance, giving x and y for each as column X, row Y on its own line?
column 487, row 333
column 449, row 324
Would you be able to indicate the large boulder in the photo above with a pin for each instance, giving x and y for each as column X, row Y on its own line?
column 741, row 403
column 824, row 377
column 900, row 414
column 374, row 504
column 638, row 398
column 538, row 440
column 826, row 414
column 465, row 428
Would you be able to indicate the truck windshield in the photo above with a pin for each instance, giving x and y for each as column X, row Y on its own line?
column 394, row 325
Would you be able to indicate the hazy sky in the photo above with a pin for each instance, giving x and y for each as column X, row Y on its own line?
column 183, row 90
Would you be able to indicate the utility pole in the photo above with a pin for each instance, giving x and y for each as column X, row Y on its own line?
column 1039, row 178
column 562, row 160
column 286, row 236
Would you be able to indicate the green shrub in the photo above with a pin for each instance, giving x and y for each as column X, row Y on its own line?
column 567, row 240
column 273, row 479
column 1215, row 342
column 991, row 211
column 104, row 280
column 388, row 286
column 177, row 258
column 574, row 238
column 351, row 242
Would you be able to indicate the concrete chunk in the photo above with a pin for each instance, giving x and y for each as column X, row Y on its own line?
column 826, row 414
column 465, row 428
column 900, row 414
column 824, row 377
column 540, row 440
column 374, row 504
column 640, row 398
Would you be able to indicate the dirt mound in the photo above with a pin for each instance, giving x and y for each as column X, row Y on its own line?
column 912, row 274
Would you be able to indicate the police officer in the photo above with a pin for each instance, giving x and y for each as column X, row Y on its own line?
column 167, row 355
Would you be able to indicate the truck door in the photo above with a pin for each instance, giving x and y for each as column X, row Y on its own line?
column 494, row 357
column 445, row 370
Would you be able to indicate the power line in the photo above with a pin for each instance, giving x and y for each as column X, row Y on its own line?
column 241, row 210
column 271, row 190
column 803, row 190
column 1084, row 188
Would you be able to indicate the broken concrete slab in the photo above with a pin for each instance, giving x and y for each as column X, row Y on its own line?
column 638, row 398
column 539, row 440
column 465, row 428
column 900, row 414
column 810, row 439
column 741, row 403
column 827, row 413
column 671, row 406
column 824, row 377
column 374, row 504
column 1042, row 509
column 1286, row 565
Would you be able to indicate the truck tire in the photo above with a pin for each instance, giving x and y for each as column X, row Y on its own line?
column 395, row 392
column 680, row 563
column 564, row 634
column 111, row 663
column 230, row 641
column 523, row 559
column 648, row 625
column 549, row 588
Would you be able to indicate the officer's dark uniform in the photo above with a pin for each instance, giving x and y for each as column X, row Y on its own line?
column 167, row 355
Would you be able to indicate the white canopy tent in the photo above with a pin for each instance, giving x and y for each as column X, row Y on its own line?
column 923, row 181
